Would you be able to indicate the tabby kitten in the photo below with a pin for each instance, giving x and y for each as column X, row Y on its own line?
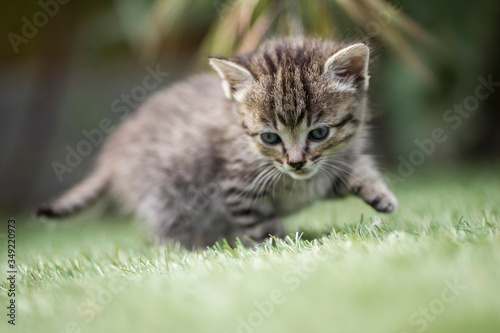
column 198, row 163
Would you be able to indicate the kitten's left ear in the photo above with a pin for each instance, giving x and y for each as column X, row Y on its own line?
column 235, row 78
column 349, row 67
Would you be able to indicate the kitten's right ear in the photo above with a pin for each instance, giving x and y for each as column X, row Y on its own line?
column 235, row 78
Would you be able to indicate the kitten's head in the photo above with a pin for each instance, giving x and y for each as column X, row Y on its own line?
column 299, row 100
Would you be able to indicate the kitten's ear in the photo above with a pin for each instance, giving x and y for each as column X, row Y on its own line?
column 235, row 78
column 349, row 67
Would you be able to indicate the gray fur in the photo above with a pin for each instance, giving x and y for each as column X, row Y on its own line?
column 191, row 161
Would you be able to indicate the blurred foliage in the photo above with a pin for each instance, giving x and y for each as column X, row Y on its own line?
column 235, row 26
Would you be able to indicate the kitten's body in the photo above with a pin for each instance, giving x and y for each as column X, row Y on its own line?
column 188, row 161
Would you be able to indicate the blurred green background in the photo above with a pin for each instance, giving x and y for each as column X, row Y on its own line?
column 65, row 66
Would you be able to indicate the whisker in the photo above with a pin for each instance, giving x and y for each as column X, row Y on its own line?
column 343, row 163
column 260, row 180
column 273, row 182
column 328, row 176
column 339, row 176
column 256, row 184
column 263, row 183
column 280, row 173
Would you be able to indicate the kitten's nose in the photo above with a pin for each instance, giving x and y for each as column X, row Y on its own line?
column 297, row 165
column 295, row 157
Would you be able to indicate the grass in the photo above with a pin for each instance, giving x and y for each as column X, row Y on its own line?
column 433, row 266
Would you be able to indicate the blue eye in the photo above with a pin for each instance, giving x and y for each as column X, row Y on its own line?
column 319, row 134
column 270, row 138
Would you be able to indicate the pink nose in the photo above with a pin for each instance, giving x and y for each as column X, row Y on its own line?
column 296, row 157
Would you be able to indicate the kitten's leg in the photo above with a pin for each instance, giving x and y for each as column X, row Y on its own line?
column 366, row 182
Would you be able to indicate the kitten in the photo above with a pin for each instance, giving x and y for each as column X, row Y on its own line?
column 198, row 163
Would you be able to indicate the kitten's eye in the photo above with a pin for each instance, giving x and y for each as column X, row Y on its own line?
column 270, row 138
column 319, row 134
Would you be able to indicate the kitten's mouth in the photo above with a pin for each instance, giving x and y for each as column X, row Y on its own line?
column 301, row 174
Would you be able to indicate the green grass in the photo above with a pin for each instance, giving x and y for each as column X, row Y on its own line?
column 370, row 272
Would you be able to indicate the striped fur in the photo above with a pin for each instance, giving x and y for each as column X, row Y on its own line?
column 192, row 162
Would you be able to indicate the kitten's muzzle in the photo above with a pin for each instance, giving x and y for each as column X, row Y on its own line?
column 301, row 173
column 298, row 170
column 297, row 165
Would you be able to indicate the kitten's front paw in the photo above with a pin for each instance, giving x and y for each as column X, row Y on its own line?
column 382, row 199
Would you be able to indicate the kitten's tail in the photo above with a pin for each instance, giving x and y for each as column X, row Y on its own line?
column 78, row 197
